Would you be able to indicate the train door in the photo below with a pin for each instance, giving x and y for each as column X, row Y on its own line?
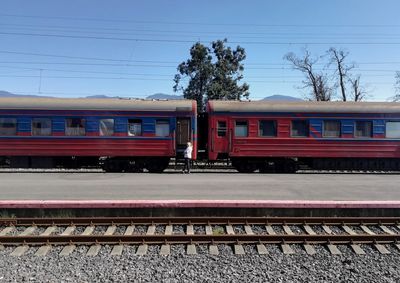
column 222, row 136
column 183, row 134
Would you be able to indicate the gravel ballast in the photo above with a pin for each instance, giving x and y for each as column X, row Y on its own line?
column 179, row 267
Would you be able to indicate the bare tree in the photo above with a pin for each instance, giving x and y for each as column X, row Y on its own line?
column 318, row 82
column 358, row 92
column 338, row 57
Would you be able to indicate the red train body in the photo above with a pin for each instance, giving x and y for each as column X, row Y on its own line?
column 130, row 135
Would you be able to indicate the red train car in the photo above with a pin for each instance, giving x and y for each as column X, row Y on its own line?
column 121, row 134
column 281, row 136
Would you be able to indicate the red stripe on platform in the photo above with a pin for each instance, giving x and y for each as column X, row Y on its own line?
column 61, row 204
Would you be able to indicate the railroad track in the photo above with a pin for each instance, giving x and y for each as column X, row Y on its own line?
column 44, row 233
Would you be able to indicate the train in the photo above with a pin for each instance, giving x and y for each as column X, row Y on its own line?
column 129, row 135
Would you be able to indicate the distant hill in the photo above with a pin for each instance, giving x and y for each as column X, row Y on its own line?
column 9, row 94
column 278, row 97
column 164, row 96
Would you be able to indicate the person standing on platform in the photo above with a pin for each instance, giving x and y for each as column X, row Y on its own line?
column 188, row 156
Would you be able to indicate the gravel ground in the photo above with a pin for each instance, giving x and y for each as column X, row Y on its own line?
column 179, row 267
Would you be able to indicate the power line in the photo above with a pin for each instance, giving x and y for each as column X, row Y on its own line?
column 195, row 23
column 191, row 41
column 284, row 67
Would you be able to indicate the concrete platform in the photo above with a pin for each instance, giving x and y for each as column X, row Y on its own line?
column 212, row 194
column 199, row 186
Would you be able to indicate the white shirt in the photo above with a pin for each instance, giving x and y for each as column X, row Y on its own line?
column 188, row 152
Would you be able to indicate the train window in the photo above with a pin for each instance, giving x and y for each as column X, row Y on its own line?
column 134, row 127
column 162, row 128
column 393, row 130
column 363, row 129
column 8, row 127
column 241, row 129
column 106, row 127
column 41, row 127
column 75, row 127
column 267, row 128
column 221, row 128
column 331, row 129
column 299, row 128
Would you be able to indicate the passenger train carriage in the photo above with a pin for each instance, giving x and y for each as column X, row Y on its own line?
column 280, row 136
column 123, row 135
column 128, row 135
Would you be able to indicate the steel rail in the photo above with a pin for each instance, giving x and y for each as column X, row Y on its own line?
column 200, row 221
column 200, row 239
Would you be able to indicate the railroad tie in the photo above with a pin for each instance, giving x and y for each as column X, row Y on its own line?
column 189, row 230
column 209, row 230
column 287, row 230
column 93, row 250
column 165, row 249
column 142, row 249
column 327, row 229
column 68, row 231
column 49, row 231
column 270, row 230
column 286, row 249
column 248, row 230
column 214, row 250
column 151, row 230
column 117, row 249
column 229, row 230
column 110, row 230
column 43, row 250
column 67, row 250
column 387, row 230
column 28, row 231
column 191, row 249
column 261, row 249
column 168, row 230
column 348, row 230
column 238, row 249
column 6, row 231
column 397, row 246
column 309, row 249
column 357, row 249
column 129, row 230
column 367, row 230
column 333, row 249
column 19, row 251
column 309, row 230
column 88, row 231
column 382, row 249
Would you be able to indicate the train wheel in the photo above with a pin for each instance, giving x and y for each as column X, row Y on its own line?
column 245, row 167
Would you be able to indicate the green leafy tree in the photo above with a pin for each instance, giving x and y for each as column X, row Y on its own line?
column 212, row 74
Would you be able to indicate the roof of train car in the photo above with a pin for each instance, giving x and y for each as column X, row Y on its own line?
column 304, row 107
column 96, row 104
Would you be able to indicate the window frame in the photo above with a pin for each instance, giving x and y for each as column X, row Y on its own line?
column 138, row 121
column 324, row 135
column 32, row 127
column 16, row 126
column 166, row 122
column 307, row 124
column 275, row 124
column 247, row 128
column 224, row 130
column 113, row 127
column 398, row 136
column 364, row 121
column 84, row 127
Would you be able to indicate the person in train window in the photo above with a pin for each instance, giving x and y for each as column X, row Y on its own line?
column 188, row 156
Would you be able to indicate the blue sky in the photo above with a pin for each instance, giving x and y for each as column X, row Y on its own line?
column 131, row 48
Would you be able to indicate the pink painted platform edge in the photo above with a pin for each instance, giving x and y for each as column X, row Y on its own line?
column 60, row 204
